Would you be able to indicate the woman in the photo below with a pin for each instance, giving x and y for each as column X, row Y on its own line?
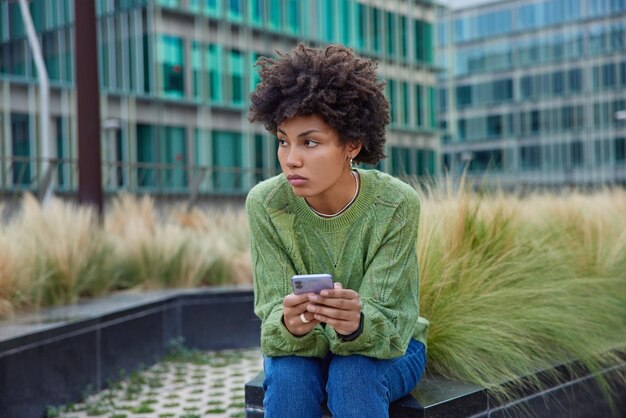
column 360, row 345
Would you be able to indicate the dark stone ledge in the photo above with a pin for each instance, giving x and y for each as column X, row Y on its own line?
column 574, row 396
column 50, row 357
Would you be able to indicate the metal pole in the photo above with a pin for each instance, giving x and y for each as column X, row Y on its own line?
column 88, row 105
column 44, row 101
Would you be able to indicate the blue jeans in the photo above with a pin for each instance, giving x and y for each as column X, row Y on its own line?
column 355, row 386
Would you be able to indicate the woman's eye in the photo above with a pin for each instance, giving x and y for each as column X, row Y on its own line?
column 310, row 144
column 282, row 142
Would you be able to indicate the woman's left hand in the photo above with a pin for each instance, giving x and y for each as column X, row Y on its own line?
column 340, row 308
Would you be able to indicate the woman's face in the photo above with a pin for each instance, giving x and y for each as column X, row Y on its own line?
column 314, row 161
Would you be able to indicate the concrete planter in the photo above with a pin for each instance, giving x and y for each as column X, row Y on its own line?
column 51, row 357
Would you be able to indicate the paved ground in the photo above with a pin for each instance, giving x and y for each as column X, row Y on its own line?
column 184, row 385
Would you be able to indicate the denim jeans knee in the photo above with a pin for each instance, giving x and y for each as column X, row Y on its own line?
column 355, row 386
column 294, row 387
column 361, row 386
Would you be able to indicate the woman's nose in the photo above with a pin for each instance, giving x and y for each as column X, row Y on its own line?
column 294, row 159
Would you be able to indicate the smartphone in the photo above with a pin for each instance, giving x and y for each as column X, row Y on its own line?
column 307, row 283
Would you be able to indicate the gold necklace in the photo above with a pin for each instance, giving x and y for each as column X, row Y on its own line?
column 357, row 183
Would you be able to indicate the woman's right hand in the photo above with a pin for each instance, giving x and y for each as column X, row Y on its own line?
column 293, row 307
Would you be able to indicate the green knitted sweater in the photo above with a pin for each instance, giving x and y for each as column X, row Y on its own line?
column 370, row 248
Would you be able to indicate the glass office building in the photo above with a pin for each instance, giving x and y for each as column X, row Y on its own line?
column 175, row 76
column 535, row 92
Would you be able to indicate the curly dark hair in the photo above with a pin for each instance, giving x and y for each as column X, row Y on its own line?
column 331, row 82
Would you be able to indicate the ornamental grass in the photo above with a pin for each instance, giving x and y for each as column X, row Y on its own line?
column 510, row 285
column 514, row 286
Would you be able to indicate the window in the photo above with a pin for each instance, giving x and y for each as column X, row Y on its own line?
column 390, row 23
column 161, row 157
column 432, row 112
column 557, row 83
column 20, row 146
column 526, row 87
column 51, row 55
column 266, row 163
column 419, row 106
column 602, row 151
column 530, row 157
column 236, row 71
column 62, row 145
column 172, row 64
column 608, row 75
column 215, row 73
column 423, row 41
column 391, row 92
column 375, row 29
column 494, row 126
column 360, row 25
column 503, row 90
column 235, row 10
column 575, row 80
column 535, row 124
column 463, row 96
column 199, row 65
column 404, row 102
column 275, row 14
column 486, row 160
column 293, row 16
column 255, row 12
column 227, row 161
column 401, row 161
column 576, row 148
column 620, row 150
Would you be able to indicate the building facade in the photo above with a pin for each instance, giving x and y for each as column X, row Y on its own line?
column 535, row 92
column 175, row 76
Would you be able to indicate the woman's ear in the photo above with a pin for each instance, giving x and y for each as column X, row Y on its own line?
column 354, row 148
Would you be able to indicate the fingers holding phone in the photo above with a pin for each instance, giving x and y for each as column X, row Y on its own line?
column 338, row 307
column 295, row 315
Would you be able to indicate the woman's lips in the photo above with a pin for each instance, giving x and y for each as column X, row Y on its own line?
column 296, row 180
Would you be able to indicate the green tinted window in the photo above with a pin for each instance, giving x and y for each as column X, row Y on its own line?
column 236, row 73
column 400, row 161
column 403, row 35
column 171, row 60
column 146, row 155
column 391, row 93
column 375, row 29
column 255, row 12
column 345, row 22
column 20, row 146
column 404, row 101
column 215, row 73
column 198, row 69
column 431, row 107
column 235, row 10
column 227, row 161
column 419, row 106
column 360, row 25
column 390, row 23
column 173, row 157
column 161, row 157
column 326, row 20
column 293, row 16
column 16, row 22
column 275, row 14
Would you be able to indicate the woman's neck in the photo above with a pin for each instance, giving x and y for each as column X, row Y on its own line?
column 338, row 199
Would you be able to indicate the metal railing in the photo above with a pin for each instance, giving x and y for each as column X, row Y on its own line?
column 20, row 174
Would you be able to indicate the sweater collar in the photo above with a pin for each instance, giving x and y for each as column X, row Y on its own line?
column 354, row 212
